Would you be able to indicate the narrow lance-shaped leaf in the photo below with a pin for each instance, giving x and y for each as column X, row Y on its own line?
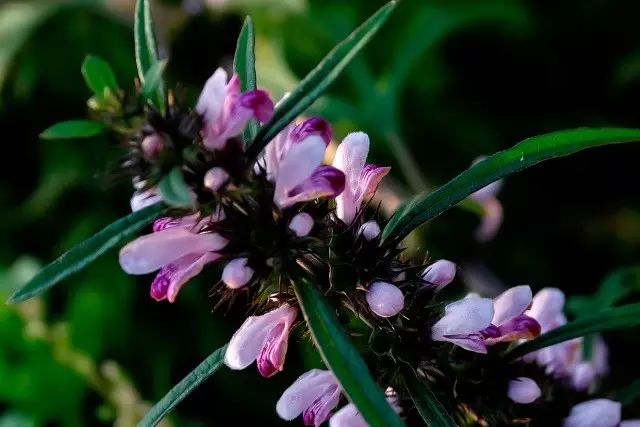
column 244, row 64
column 72, row 129
column 175, row 190
column 200, row 374
column 146, row 49
column 625, row 316
column 527, row 153
column 83, row 254
column 153, row 83
column 428, row 406
column 99, row 76
column 343, row 359
column 319, row 79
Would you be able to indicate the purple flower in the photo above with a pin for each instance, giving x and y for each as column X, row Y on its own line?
column 361, row 179
column 565, row 360
column 262, row 338
column 314, row 395
column 215, row 178
column 301, row 224
column 225, row 110
column 523, row 390
column 370, row 230
column 349, row 416
column 237, row 273
column 598, row 413
column 293, row 161
column 385, row 299
column 493, row 212
column 177, row 249
column 439, row 274
column 509, row 318
column 464, row 322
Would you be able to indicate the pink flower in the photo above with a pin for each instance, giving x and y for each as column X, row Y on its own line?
column 225, row 110
column 215, row 178
column 262, row 338
column 349, row 416
column 177, row 249
column 385, row 299
column 493, row 212
column 523, row 390
column 509, row 318
column 598, row 413
column 314, row 395
column 565, row 360
column 439, row 274
column 293, row 161
column 361, row 179
column 237, row 273
column 301, row 224
column 464, row 322
column 143, row 197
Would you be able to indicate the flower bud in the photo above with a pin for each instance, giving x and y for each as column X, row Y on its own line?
column 236, row 273
column 301, row 224
column 215, row 178
column 439, row 274
column 152, row 145
column 370, row 230
column 523, row 390
column 385, row 299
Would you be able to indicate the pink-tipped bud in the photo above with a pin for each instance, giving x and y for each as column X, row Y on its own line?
column 215, row 178
column 439, row 274
column 370, row 230
column 236, row 273
column 301, row 224
column 385, row 299
column 152, row 145
column 523, row 390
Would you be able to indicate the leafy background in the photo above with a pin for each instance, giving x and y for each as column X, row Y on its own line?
column 441, row 84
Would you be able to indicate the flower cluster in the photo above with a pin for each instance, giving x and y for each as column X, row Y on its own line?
column 289, row 212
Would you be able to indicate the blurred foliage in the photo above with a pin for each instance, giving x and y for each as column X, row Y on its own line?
column 444, row 82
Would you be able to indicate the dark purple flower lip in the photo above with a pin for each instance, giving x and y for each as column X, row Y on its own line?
column 312, row 126
column 260, row 102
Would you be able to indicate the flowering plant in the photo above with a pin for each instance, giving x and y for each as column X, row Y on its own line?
column 242, row 183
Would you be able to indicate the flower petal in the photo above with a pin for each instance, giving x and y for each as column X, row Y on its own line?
column 523, row 390
column 370, row 178
column 172, row 277
column 153, row 251
column 511, row 303
column 304, row 392
column 385, row 299
column 212, row 97
column 299, row 163
column 326, row 181
column 594, row 413
column 348, row 416
column 350, row 158
column 491, row 220
column 546, row 307
column 466, row 316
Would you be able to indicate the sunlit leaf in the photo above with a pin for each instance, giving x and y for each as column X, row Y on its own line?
column 319, row 79
column 153, row 83
column 99, row 76
column 146, row 48
column 341, row 356
column 529, row 152
column 83, row 254
column 200, row 374
column 244, row 64
column 73, row 129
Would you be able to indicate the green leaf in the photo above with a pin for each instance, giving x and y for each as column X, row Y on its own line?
column 319, row 79
column 152, row 87
column 344, row 360
column 428, row 406
column 83, row 254
column 73, row 129
column 175, row 190
column 629, row 394
column 99, row 76
column 527, row 153
column 614, row 288
column 202, row 372
column 146, row 49
column 625, row 316
column 244, row 64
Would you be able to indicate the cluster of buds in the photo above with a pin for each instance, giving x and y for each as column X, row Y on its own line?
column 265, row 220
